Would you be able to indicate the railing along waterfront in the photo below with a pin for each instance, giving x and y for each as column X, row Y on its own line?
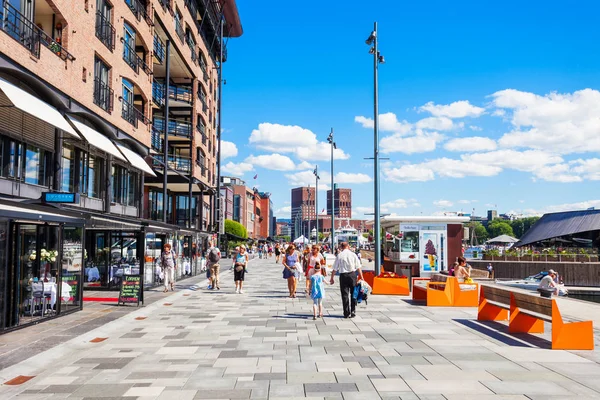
column 30, row 36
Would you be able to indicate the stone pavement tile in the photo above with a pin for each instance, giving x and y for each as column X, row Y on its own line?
column 437, row 360
column 109, row 390
column 447, row 387
column 405, row 371
column 390, row 385
column 520, row 354
column 544, row 375
column 152, row 391
column 323, row 388
column 59, row 388
column 201, row 382
column 573, row 369
column 57, row 380
column 486, row 397
column 581, row 388
column 499, row 365
column 270, row 377
column 177, row 394
column 527, row 388
column 223, row 394
column 444, row 372
column 407, row 360
column 286, row 390
column 312, row 377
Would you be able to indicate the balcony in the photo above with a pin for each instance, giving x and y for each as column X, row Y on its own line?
column 103, row 95
column 128, row 113
column 202, row 98
column 166, row 5
column 181, row 93
column 157, row 141
column 159, row 49
column 203, row 68
column 175, row 163
column 179, row 30
column 192, row 46
column 140, row 10
column 24, row 31
column 202, row 131
column 133, row 60
column 105, row 31
column 176, row 127
column 158, row 93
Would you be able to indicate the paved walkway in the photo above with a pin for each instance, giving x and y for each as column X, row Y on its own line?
column 262, row 345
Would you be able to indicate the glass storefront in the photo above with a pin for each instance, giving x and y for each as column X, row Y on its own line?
column 111, row 255
column 41, row 267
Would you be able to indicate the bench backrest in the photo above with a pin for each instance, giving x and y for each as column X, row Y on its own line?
column 534, row 303
column 439, row 278
column 497, row 295
column 479, row 273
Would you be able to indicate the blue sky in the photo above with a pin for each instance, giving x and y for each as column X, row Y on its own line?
column 481, row 106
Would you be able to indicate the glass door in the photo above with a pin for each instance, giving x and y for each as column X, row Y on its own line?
column 129, row 47
column 74, row 255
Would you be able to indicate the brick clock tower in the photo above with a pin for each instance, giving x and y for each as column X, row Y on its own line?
column 343, row 203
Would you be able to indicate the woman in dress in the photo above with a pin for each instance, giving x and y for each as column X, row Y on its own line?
column 277, row 253
column 313, row 259
column 168, row 263
column 239, row 269
column 290, row 261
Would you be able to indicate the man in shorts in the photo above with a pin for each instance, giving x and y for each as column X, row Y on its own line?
column 213, row 256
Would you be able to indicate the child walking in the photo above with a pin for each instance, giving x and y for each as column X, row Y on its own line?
column 317, row 290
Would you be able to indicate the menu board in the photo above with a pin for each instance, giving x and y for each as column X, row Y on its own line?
column 131, row 289
column 72, row 281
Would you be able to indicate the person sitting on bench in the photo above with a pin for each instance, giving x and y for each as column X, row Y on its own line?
column 548, row 286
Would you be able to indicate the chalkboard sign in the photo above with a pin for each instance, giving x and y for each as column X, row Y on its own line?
column 131, row 289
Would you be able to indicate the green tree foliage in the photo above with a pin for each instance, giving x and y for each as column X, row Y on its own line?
column 522, row 225
column 499, row 227
column 235, row 228
column 480, row 232
column 285, row 238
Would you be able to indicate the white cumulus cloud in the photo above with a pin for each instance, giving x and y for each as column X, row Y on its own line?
column 420, row 143
column 443, row 203
column 470, row 144
column 458, row 109
column 228, row 149
column 274, row 161
column 345, row 177
column 236, row 169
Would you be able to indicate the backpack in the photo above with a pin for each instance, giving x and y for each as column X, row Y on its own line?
column 214, row 256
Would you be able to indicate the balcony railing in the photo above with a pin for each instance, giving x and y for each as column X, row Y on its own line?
column 159, row 49
column 140, row 10
column 158, row 93
column 166, row 5
column 202, row 130
column 103, row 95
column 203, row 68
column 27, row 33
column 202, row 98
column 176, row 163
column 134, row 60
column 139, row 115
column 128, row 113
column 192, row 47
column 179, row 30
column 176, row 127
column 181, row 93
column 193, row 8
column 105, row 31
column 157, row 140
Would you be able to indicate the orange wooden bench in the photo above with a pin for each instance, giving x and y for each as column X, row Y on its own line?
column 394, row 286
column 440, row 294
column 527, row 313
column 419, row 289
column 464, row 294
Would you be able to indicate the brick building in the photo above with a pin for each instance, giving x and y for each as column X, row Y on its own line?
column 303, row 208
column 109, row 111
column 266, row 217
column 342, row 202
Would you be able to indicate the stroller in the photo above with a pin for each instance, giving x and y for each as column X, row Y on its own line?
column 361, row 292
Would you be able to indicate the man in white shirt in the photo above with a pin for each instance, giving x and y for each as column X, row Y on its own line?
column 347, row 263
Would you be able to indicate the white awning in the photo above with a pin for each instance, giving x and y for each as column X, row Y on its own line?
column 35, row 107
column 97, row 139
column 136, row 160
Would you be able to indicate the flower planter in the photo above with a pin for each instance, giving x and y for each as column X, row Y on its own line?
column 394, row 286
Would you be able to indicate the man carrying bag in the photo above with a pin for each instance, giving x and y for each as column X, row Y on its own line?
column 347, row 264
column 213, row 257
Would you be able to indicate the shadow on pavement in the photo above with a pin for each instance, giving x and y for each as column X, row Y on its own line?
column 499, row 332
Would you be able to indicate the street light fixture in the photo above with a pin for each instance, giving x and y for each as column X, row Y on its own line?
column 377, row 59
column 333, row 146
column 317, row 177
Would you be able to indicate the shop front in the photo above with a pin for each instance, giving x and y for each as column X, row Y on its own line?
column 41, row 258
column 422, row 246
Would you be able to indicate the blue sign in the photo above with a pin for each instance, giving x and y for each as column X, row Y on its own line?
column 53, row 197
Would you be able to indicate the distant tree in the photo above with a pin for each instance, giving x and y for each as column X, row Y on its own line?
column 528, row 223
column 284, row 238
column 518, row 227
column 498, row 227
column 235, row 228
column 480, row 232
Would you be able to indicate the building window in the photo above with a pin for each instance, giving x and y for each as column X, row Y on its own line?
column 24, row 162
column 105, row 31
column 155, row 205
column 125, row 186
column 128, row 113
column 68, row 169
column 129, row 54
column 93, row 176
column 103, row 94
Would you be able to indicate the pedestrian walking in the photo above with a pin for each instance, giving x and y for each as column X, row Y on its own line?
column 312, row 260
column 277, row 253
column 213, row 257
column 347, row 264
column 239, row 271
column 317, row 290
column 168, row 263
column 270, row 250
column 290, row 266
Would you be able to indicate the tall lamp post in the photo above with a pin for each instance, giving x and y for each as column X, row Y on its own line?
column 333, row 146
column 377, row 59
column 308, row 213
column 316, row 173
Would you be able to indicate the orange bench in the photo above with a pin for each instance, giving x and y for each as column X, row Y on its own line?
column 395, row 286
column 526, row 314
column 419, row 289
column 447, row 291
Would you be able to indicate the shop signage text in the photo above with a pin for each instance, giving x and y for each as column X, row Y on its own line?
column 131, row 289
column 53, row 197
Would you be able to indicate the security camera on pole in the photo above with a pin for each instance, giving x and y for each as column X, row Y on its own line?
column 377, row 59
